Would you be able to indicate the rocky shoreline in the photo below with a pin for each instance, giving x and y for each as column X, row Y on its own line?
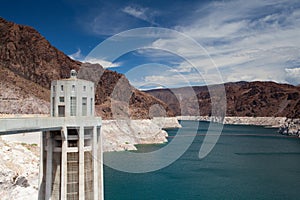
column 258, row 121
column 290, row 127
column 120, row 135
column 286, row 126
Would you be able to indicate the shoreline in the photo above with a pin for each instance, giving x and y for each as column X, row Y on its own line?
column 274, row 122
column 123, row 135
column 286, row 126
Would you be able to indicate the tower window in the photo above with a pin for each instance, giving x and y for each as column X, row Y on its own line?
column 73, row 88
column 53, row 88
column 84, row 88
column 92, row 105
column 61, row 99
column 61, row 111
column 73, row 106
column 84, row 106
column 62, row 88
column 53, row 105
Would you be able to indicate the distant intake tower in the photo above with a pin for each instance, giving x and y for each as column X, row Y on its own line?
column 71, row 159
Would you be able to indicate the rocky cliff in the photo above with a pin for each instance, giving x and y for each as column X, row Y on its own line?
column 32, row 63
column 28, row 54
column 116, row 98
column 251, row 99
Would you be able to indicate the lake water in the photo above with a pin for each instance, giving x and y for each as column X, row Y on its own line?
column 248, row 162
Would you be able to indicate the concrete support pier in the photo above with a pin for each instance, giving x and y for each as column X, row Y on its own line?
column 71, row 164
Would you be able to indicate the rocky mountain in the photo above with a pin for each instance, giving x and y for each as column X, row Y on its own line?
column 28, row 64
column 255, row 99
column 116, row 98
column 28, row 54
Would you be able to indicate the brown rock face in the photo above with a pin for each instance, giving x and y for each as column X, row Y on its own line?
column 28, row 54
column 30, row 59
column 21, row 96
column 261, row 99
column 116, row 98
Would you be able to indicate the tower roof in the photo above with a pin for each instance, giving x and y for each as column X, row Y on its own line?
column 73, row 74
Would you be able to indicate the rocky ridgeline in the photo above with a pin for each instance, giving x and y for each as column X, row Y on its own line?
column 24, row 51
column 290, row 127
column 243, row 99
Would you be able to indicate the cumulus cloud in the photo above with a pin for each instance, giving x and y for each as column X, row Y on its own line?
column 108, row 18
column 293, row 75
column 140, row 13
column 135, row 12
column 104, row 63
column 254, row 41
column 77, row 55
column 247, row 40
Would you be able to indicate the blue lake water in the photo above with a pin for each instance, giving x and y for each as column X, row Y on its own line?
column 247, row 162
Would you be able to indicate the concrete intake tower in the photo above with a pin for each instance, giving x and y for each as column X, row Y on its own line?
column 71, row 156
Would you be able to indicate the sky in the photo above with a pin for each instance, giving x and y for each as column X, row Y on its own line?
column 237, row 40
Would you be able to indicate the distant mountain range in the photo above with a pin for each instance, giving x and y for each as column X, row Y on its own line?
column 253, row 99
column 28, row 64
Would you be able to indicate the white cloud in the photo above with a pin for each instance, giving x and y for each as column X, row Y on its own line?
column 150, row 87
column 135, row 12
column 107, row 18
column 254, row 41
column 110, row 19
column 102, row 62
column 182, row 68
column 173, row 80
column 248, row 40
column 77, row 55
column 140, row 13
column 293, row 75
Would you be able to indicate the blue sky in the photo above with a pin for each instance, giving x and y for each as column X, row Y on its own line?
column 246, row 40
